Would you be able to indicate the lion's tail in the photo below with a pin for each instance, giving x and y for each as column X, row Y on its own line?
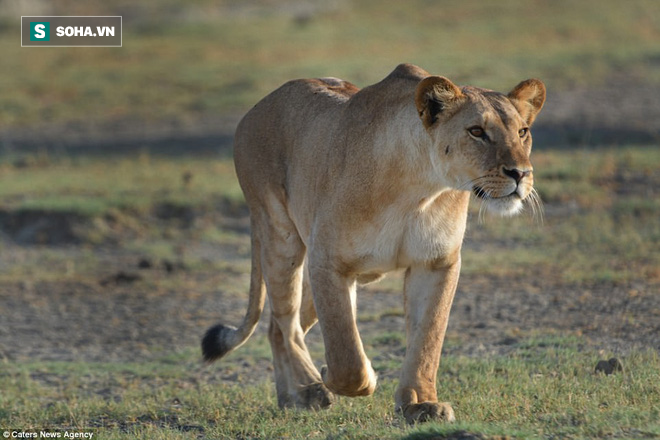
column 221, row 339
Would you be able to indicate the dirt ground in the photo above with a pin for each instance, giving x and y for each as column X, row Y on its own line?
column 122, row 317
column 118, row 314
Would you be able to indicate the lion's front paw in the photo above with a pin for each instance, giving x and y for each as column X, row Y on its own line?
column 360, row 383
column 428, row 411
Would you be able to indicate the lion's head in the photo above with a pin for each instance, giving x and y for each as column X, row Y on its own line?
column 484, row 138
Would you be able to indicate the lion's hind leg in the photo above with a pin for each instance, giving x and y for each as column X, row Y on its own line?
column 308, row 315
column 298, row 382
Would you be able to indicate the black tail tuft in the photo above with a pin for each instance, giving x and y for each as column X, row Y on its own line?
column 214, row 342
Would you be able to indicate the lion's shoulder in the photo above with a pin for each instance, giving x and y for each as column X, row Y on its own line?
column 403, row 78
column 407, row 72
column 330, row 90
column 395, row 90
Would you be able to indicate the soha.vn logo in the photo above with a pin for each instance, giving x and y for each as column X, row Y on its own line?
column 85, row 31
column 39, row 31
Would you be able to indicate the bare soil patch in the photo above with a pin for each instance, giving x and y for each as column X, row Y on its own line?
column 129, row 310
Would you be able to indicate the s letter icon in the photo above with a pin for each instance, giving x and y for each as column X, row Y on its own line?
column 39, row 31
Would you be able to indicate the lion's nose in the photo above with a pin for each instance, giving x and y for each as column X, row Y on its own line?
column 515, row 173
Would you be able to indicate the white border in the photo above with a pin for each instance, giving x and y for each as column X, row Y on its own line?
column 121, row 21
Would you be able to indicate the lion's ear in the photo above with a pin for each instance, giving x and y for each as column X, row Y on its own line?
column 436, row 95
column 528, row 97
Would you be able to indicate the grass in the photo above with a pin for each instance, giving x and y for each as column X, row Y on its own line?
column 606, row 229
column 93, row 186
column 600, row 225
column 545, row 388
column 201, row 58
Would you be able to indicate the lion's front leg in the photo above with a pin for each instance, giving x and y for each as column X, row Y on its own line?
column 348, row 371
column 429, row 293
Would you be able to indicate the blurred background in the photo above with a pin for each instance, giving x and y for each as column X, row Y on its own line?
column 124, row 234
column 191, row 68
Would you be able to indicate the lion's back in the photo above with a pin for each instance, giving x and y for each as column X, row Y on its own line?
column 297, row 103
column 307, row 122
column 305, row 106
column 283, row 124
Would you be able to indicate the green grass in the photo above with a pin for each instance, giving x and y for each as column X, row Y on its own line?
column 129, row 199
column 92, row 186
column 545, row 388
column 174, row 67
column 607, row 231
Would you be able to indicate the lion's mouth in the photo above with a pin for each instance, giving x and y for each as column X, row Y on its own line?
column 507, row 205
column 483, row 194
column 480, row 192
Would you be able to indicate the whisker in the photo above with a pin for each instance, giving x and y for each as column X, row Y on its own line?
column 483, row 207
column 481, row 182
column 539, row 206
column 468, row 185
column 536, row 205
column 483, row 195
column 481, row 217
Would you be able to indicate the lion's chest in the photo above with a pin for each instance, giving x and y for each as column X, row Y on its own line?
column 394, row 240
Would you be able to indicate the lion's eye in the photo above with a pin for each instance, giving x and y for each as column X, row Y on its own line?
column 477, row 132
column 523, row 132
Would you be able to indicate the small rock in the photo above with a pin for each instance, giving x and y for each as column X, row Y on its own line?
column 608, row 367
column 171, row 267
column 145, row 263
column 616, row 364
column 168, row 266
column 176, row 403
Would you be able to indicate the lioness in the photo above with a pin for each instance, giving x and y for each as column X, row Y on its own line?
column 344, row 185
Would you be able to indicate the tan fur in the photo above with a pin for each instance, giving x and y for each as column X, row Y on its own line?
column 344, row 185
